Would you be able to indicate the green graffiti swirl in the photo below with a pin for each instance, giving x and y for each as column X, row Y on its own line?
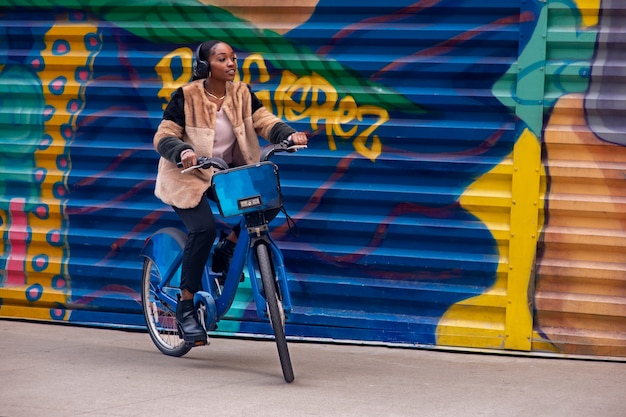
column 188, row 21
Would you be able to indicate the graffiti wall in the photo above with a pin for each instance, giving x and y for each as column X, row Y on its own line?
column 464, row 184
column 581, row 281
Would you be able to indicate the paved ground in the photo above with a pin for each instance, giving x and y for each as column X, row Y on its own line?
column 67, row 371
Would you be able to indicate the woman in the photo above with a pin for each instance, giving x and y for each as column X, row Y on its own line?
column 210, row 116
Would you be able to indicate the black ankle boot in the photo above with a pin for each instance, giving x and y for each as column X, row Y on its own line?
column 223, row 254
column 188, row 327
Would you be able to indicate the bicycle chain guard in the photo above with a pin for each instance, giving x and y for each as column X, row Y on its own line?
column 204, row 303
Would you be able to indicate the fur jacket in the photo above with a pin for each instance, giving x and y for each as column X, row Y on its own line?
column 189, row 123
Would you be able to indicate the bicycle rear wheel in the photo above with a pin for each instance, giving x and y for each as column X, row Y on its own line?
column 160, row 315
column 274, row 310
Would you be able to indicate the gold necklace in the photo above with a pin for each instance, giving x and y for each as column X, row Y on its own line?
column 214, row 96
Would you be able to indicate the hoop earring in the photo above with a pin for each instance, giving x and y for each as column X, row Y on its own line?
column 209, row 76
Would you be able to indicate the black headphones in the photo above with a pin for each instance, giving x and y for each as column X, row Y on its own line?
column 201, row 68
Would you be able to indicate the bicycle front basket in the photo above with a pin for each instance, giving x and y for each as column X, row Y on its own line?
column 247, row 189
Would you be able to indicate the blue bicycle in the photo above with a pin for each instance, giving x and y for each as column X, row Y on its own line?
column 253, row 192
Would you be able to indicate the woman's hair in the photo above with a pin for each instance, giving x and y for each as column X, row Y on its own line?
column 201, row 66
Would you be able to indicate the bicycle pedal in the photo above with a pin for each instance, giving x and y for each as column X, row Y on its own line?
column 197, row 343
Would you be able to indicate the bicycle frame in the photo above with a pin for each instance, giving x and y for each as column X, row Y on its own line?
column 244, row 256
column 218, row 301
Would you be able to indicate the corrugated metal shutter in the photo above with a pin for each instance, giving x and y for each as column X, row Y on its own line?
column 581, row 283
column 418, row 204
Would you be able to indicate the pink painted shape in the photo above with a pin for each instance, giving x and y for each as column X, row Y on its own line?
column 18, row 236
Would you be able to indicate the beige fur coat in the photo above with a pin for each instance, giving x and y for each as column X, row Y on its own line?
column 249, row 120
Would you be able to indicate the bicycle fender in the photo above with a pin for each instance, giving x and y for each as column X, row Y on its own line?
column 165, row 249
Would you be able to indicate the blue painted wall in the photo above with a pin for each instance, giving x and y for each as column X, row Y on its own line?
column 409, row 106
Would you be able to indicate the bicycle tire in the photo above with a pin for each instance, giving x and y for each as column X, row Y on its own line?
column 274, row 310
column 160, row 317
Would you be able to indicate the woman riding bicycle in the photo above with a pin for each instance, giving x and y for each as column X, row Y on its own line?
column 215, row 117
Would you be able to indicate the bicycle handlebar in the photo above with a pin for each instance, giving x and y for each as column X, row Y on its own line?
column 206, row 162
column 286, row 145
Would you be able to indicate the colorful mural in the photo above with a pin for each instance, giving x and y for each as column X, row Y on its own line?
column 437, row 191
column 581, row 264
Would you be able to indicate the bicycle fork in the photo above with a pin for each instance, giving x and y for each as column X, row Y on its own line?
column 280, row 278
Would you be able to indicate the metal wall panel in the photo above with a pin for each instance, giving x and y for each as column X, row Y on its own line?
column 581, row 282
column 419, row 202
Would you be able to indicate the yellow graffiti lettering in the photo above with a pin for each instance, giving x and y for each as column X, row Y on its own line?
column 346, row 113
column 257, row 61
column 281, row 96
column 360, row 142
column 312, row 97
column 164, row 70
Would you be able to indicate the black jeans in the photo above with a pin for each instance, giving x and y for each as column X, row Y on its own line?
column 201, row 232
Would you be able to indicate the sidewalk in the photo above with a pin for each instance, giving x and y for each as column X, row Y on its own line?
column 67, row 371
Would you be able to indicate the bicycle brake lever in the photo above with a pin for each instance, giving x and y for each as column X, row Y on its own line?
column 186, row 170
column 295, row 148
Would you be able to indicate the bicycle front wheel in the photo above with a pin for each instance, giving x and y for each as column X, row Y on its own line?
column 274, row 310
column 160, row 315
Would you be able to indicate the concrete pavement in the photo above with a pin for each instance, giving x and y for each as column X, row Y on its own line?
column 68, row 371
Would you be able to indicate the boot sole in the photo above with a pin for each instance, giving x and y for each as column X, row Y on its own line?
column 196, row 340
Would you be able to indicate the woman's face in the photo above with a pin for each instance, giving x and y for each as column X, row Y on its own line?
column 223, row 62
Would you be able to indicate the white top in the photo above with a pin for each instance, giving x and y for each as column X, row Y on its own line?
column 225, row 140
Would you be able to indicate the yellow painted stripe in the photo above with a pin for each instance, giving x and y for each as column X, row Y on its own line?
column 526, row 206
column 502, row 316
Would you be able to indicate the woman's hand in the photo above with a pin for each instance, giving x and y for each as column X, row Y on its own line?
column 299, row 138
column 188, row 158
